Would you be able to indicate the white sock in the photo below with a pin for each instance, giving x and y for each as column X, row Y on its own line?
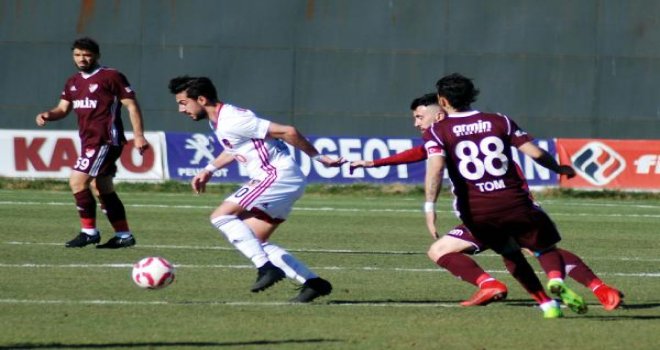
column 241, row 236
column 89, row 231
column 123, row 234
column 293, row 268
column 549, row 304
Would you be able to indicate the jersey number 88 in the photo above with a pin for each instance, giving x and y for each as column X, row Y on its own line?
column 490, row 149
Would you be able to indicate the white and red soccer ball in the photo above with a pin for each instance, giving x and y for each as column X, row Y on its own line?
column 153, row 273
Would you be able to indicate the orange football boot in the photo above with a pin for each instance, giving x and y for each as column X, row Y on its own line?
column 611, row 298
column 489, row 292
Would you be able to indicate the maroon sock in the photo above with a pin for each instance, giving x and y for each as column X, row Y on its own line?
column 86, row 205
column 552, row 263
column 461, row 266
column 522, row 271
column 115, row 211
column 577, row 269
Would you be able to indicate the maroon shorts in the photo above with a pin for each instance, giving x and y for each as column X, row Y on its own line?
column 463, row 233
column 98, row 160
column 530, row 228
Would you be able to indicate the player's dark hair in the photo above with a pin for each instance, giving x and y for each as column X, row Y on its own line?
column 194, row 87
column 87, row 44
column 458, row 90
column 426, row 100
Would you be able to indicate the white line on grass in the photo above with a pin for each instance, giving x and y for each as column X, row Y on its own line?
column 217, row 303
column 356, row 210
column 333, row 268
column 160, row 246
column 326, row 251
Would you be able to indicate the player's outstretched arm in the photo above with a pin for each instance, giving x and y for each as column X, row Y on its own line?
column 292, row 136
column 413, row 155
column 359, row 164
column 60, row 111
column 545, row 159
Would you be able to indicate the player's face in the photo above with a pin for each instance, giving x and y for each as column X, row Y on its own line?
column 84, row 60
column 190, row 107
column 425, row 116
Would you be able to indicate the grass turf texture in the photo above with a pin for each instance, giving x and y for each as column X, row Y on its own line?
column 369, row 242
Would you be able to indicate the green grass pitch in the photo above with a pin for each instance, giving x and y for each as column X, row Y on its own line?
column 387, row 294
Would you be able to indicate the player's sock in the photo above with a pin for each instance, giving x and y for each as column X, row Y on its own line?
column 595, row 285
column 463, row 267
column 548, row 304
column 291, row 266
column 90, row 231
column 113, row 207
column 552, row 263
column 86, row 205
column 578, row 270
column 520, row 269
column 123, row 234
column 487, row 281
column 551, row 309
column 241, row 236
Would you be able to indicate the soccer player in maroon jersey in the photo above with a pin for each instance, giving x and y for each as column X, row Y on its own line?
column 492, row 197
column 450, row 250
column 96, row 94
column 447, row 251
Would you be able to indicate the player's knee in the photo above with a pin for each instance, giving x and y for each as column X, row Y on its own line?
column 438, row 249
column 75, row 185
column 435, row 255
column 228, row 208
column 231, row 227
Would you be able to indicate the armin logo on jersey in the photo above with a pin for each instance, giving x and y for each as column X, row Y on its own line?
column 598, row 163
column 470, row 129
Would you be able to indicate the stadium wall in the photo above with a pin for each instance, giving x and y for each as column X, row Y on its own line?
column 566, row 69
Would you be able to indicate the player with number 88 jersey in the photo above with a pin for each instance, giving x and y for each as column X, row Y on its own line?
column 477, row 150
column 492, row 197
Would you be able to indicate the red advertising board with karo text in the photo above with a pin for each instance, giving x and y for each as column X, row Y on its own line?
column 611, row 164
column 51, row 154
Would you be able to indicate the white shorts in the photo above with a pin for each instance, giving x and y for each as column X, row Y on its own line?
column 275, row 195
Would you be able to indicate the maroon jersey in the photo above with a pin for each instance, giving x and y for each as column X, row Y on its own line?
column 477, row 151
column 96, row 100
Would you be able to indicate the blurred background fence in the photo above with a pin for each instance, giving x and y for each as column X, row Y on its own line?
column 561, row 68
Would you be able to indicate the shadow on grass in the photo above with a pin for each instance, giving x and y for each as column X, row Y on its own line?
column 640, row 306
column 612, row 316
column 191, row 344
column 624, row 306
column 451, row 303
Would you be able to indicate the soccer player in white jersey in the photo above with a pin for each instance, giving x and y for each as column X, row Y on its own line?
column 250, row 215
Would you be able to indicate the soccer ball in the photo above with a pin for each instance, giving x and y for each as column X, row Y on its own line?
column 153, row 273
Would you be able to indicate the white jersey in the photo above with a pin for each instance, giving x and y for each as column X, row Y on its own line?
column 244, row 135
